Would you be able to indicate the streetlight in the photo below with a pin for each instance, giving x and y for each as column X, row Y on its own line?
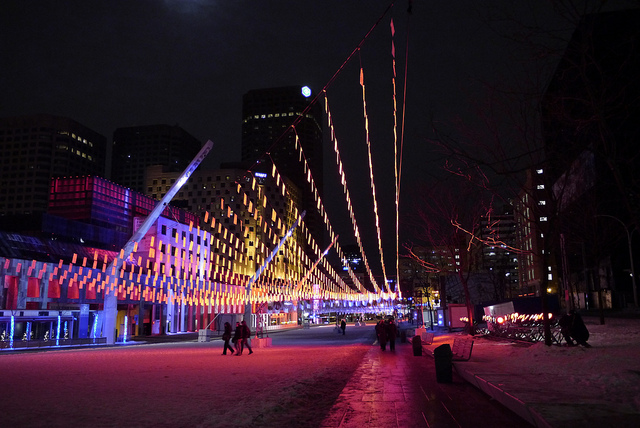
column 633, row 272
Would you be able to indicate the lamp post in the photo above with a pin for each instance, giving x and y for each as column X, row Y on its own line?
column 633, row 272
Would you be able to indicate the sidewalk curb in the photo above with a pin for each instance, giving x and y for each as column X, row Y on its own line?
column 512, row 403
column 509, row 401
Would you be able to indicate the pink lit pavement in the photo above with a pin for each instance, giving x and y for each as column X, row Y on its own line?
column 542, row 386
column 399, row 389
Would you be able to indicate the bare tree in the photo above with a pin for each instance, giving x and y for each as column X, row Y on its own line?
column 592, row 103
column 440, row 220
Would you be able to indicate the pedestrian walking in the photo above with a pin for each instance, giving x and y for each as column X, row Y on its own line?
column 246, row 338
column 237, row 338
column 343, row 326
column 392, row 332
column 381, row 331
column 226, row 337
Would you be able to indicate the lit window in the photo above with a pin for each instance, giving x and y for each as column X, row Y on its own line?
column 543, row 218
column 540, row 186
column 542, row 202
column 539, row 171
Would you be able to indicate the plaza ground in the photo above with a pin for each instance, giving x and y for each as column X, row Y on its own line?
column 318, row 378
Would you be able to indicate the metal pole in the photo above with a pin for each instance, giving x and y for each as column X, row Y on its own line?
column 110, row 299
column 316, row 263
column 256, row 275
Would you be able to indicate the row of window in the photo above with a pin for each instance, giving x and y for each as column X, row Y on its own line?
column 208, row 179
column 75, row 151
column 174, row 233
column 77, row 137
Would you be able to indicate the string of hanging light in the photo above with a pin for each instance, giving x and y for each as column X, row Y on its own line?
column 395, row 155
column 345, row 191
column 310, row 240
column 302, row 158
column 373, row 184
column 304, row 113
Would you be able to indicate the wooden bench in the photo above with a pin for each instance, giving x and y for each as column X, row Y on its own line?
column 462, row 347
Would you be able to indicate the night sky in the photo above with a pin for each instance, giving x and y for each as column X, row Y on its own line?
column 110, row 64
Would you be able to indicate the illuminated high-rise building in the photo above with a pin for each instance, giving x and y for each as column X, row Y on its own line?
column 272, row 121
column 233, row 201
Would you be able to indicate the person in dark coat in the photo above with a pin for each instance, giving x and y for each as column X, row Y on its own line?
column 392, row 332
column 565, row 329
column 246, row 338
column 343, row 326
column 572, row 328
column 226, row 336
column 381, row 331
column 579, row 330
column 237, row 338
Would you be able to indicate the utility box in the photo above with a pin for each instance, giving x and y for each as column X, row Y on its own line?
column 205, row 335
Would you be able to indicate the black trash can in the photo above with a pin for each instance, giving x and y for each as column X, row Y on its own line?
column 417, row 346
column 444, row 366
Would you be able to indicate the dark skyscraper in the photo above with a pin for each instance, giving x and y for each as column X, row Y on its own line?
column 268, row 134
column 135, row 148
column 590, row 114
column 33, row 149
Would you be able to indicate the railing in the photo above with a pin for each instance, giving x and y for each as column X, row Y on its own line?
column 29, row 344
column 527, row 333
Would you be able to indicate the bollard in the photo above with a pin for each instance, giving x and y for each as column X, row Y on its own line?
column 403, row 336
column 444, row 363
column 417, row 346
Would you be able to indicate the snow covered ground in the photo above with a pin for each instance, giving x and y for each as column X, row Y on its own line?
column 566, row 386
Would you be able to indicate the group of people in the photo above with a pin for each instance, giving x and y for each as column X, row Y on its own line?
column 386, row 331
column 241, row 338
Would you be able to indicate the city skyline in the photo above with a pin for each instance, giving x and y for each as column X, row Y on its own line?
column 189, row 63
